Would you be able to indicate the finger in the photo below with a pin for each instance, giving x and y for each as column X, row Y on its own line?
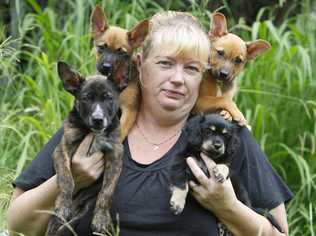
column 193, row 185
column 208, row 162
column 197, row 172
column 99, row 171
column 99, row 164
column 84, row 146
column 96, row 157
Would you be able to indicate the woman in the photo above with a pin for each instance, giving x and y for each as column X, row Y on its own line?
column 171, row 64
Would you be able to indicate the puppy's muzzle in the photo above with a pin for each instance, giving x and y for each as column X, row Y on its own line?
column 106, row 68
column 98, row 120
column 223, row 75
column 213, row 148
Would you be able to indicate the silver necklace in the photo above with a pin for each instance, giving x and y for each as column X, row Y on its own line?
column 156, row 146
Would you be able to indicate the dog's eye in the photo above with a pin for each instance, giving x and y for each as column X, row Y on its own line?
column 86, row 97
column 122, row 50
column 212, row 128
column 101, row 47
column 224, row 131
column 221, row 52
column 238, row 60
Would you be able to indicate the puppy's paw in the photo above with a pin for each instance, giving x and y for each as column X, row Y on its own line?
column 64, row 213
column 226, row 115
column 102, row 222
column 177, row 201
column 233, row 113
column 220, row 172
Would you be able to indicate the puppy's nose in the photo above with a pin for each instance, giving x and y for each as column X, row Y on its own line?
column 106, row 68
column 223, row 74
column 97, row 121
column 217, row 144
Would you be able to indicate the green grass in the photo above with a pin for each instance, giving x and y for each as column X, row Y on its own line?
column 276, row 92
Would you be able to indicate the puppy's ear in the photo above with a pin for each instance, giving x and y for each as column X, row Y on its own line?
column 256, row 48
column 138, row 34
column 98, row 22
column 219, row 26
column 121, row 75
column 193, row 130
column 233, row 143
column 71, row 79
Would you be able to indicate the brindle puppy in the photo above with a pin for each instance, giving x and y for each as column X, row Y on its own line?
column 96, row 109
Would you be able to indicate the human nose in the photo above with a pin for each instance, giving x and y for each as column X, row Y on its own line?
column 178, row 76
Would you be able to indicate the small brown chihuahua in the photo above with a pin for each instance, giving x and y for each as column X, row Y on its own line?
column 229, row 54
column 114, row 47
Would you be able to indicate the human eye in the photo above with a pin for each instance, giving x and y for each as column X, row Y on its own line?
column 164, row 63
column 193, row 69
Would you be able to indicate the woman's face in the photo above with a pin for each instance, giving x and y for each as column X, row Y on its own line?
column 170, row 82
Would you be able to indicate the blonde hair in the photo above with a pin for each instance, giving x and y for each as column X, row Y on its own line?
column 177, row 33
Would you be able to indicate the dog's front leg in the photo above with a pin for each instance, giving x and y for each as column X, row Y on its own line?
column 208, row 104
column 102, row 222
column 129, row 100
column 63, row 203
column 178, row 184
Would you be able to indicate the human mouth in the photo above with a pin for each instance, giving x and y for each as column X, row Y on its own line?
column 173, row 94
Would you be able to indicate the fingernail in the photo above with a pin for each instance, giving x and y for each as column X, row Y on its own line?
column 189, row 159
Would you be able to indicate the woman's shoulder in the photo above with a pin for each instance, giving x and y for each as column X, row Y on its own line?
column 42, row 167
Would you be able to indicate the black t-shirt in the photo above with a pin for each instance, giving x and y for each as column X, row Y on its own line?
column 141, row 198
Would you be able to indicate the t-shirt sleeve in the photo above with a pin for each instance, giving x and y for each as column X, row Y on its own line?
column 265, row 187
column 42, row 167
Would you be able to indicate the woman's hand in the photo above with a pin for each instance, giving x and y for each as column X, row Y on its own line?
column 212, row 193
column 86, row 170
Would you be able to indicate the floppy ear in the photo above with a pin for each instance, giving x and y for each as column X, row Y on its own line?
column 138, row 34
column 193, row 130
column 98, row 22
column 256, row 48
column 233, row 143
column 219, row 26
column 71, row 79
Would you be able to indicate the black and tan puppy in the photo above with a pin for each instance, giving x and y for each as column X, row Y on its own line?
column 96, row 109
column 229, row 55
column 114, row 47
column 215, row 137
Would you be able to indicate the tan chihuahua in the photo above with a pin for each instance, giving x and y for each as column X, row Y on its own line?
column 229, row 54
column 114, row 47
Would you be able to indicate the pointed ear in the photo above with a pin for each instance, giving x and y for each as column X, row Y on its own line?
column 71, row 79
column 98, row 22
column 138, row 34
column 219, row 26
column 256, row 48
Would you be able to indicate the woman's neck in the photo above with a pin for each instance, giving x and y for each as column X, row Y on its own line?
column 155, row 123
column 152, row 137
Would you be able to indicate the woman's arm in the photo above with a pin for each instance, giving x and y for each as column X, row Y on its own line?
column 22, row 214
column 220, row 198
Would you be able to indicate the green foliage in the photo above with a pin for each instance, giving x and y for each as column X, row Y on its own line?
column 277, row 90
